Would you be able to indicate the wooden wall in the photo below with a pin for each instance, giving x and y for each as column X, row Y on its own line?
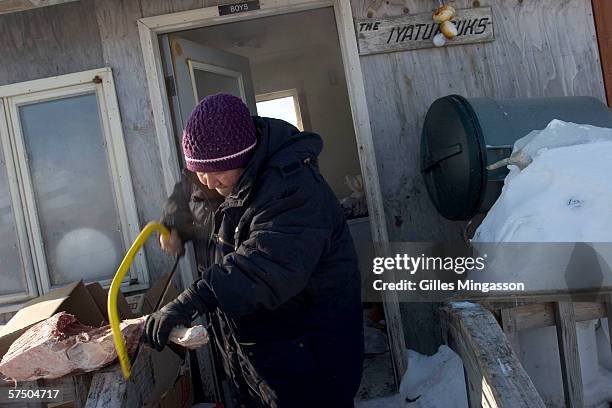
column 603, row 22
column 49, row 41
column 542, row 48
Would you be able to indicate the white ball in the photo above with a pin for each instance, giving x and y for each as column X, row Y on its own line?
column 84, row 253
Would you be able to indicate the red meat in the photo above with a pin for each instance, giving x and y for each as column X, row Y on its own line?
column 61, row 345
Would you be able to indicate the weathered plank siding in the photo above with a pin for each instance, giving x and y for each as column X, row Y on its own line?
column 541, row 48
column 160, row 7
column 535, row 53
column 49, row 41
column 12, row 6
column 117, row 22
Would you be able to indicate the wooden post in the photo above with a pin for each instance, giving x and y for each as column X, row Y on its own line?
column 511, row 330
column 568, row 350
column 109, row 388
column 603, row 24
column 495, row 376
column 369, row 169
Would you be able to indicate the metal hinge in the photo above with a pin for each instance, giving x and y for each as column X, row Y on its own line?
column 170, row 88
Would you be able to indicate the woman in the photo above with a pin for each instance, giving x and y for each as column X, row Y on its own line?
column 282, row 286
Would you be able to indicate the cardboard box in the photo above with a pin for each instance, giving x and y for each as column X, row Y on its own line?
column 135, row 303
column 88, row 304
column 155, row 292
column 73, row 298
column 171, row 373
column 100, row 297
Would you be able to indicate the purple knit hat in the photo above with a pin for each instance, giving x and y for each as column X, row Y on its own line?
column 220, row 135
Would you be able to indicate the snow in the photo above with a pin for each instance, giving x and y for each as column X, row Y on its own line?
column 463, row 305
column 430, row 382
column 375, row 340
column 558, row 190
column 563, row 194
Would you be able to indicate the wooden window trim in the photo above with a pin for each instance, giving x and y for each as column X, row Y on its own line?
column 293, row 93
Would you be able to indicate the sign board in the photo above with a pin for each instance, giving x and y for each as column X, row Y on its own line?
column 240, row 7
column 411, row 32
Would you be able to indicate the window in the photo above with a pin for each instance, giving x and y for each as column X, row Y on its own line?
column 281, row 105
column 67, row 208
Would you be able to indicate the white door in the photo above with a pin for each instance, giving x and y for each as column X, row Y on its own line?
column 201, row 71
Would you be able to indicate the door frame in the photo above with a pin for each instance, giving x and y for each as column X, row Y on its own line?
column 150, row 28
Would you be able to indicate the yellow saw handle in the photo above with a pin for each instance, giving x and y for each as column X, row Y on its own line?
column 113, row 314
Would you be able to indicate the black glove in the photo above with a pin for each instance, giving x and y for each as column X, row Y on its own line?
column 181, row 311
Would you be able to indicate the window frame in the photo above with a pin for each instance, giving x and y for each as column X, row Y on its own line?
column 293, row 92
column 100, row 83
column 202, row 66
column 31, row 284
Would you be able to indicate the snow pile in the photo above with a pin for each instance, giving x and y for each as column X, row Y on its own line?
column 558, row 190
column 562, row 193
column 430, row 382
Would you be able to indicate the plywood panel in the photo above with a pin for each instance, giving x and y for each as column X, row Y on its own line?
column 534, row 54
column 159, row 7
column 49, row 41
column 12, row 6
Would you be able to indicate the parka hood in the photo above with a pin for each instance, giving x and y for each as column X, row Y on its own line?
column 279, row 144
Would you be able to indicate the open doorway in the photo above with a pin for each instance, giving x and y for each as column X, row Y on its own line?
column 289, row 66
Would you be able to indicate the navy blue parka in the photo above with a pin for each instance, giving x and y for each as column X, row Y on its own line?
column 281, row 282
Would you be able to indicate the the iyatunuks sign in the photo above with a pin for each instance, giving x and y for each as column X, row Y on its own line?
column 410, row 32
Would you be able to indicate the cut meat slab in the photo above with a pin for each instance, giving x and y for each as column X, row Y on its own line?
column 61, row 345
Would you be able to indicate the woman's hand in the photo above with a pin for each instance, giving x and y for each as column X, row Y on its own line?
column 172, row 245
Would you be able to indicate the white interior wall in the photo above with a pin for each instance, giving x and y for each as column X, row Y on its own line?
column 325, row 110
